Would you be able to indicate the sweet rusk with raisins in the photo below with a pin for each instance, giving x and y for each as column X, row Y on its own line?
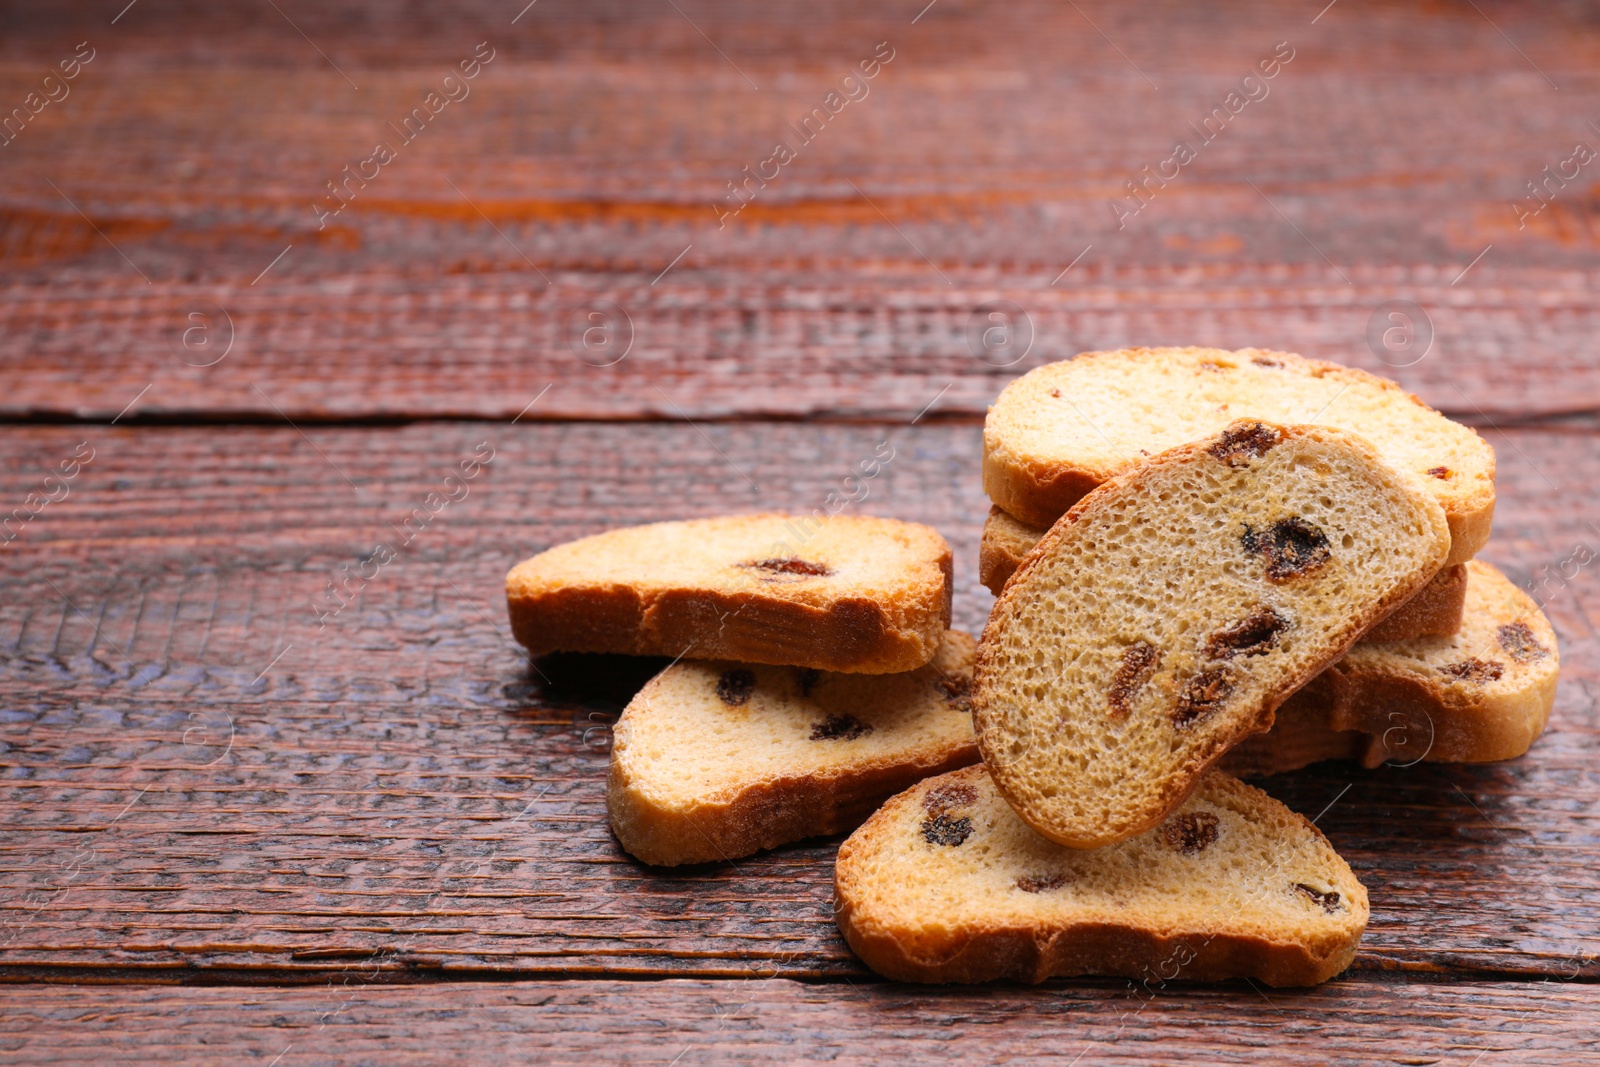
column 1435, row 611
column 799, row 752
column 946, row 884
column 715, row 760
column 1171, row 611
column 849, row 593
column 1064, row 428
column 1483, row 693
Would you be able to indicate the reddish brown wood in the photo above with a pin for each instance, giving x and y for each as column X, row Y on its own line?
column 593, row 146
column 403, row 793
column 199, row 785
column 775, row 1021
column 482, row 346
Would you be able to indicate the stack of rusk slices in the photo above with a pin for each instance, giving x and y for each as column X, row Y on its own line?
column 1208, row 564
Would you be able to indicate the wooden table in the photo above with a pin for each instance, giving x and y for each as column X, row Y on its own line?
column 232, row 833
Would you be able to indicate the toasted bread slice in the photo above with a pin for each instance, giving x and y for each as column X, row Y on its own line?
column 1434, row 612
column 864, row 595
column 1005, row 543
column 1173, row 609
column 713, row 761
column 946, row 884
column 1064, row 428
column 1481, row 695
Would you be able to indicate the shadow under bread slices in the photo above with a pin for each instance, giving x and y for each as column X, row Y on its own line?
column 720, row 760
column 946, row 884
column 1479, row 695
column 1166, row 617
column 851, row 593
column 1064, row 428
column 1435, row 610
column 716, row 760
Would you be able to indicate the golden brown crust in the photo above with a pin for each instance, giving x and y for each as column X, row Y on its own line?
column 899, row 942
column 1120, row 950
column 769, row 813
column 714, row 760
column 1301, row 734
column 1435, row 610
column 1390, row 701
column 895, row 625
column 1005, row 543
column 1039, row 489
column 1469, row 531
column 1174, row 788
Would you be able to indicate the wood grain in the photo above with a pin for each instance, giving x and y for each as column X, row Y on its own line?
column 481, row 347
column 777, row 1021
column 1384, row 160
column 199, row 784
column 401, row 791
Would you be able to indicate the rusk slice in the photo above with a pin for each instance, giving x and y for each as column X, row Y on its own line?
column 946, row 884
column 1062, row 429
column 1480, row 695
column 1005, row 543
column 864, row 595
column 1173, row 609
column 713, row 761
column 1435, row 611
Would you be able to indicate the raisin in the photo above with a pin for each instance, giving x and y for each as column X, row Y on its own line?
column 942, row 798
column 1441, row 473
column 1193, row 833
column 1329, row 900
column 1255, row 635
column 1205, row 693
column 957, row 692
column 788, row 570
column 1262, row 361
column 1293, row 547
column 1056, row 393
column 1038, row 883
column 1520, row 644
column 1139, row 663
column 806, row 678
column 1474, row 670
column 840, row 728
column 943, row 830
column 735, row 687
column 1244, row 441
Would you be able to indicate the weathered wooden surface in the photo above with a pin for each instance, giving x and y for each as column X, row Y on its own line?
column 776, row 1021
column 400, row 791
column 1386, row 158
column 199, row 785
column 481, row 346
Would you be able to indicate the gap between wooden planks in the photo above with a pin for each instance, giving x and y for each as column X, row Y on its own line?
column 199, row 781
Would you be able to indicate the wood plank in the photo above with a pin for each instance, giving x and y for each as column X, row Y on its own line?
column 979, row 166
column 1513, row 348
column 777, row 1021
column 199, row 783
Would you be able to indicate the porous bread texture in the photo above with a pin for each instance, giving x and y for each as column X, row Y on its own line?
column 1173, row 609
column 1480, row 695
column 1064, row 428
column 713, row 761
column 946, row 884
column 857, row 594
column 1435, row 610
